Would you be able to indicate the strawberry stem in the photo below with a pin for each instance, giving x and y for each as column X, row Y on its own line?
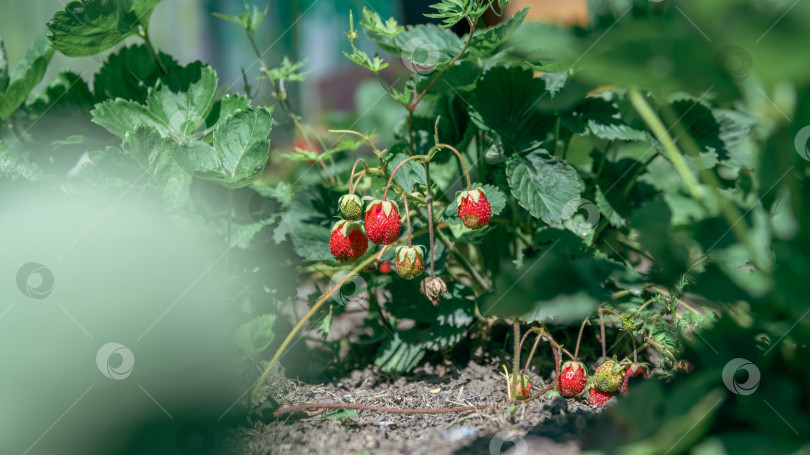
column 391, row 178
column 579, row 337
column 463, row 163
column 351, row 176
column 516, row 360
column 407, row 218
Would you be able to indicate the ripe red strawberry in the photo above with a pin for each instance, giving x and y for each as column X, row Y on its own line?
column 633, row 370
column 608, row 377
column 572, row 379
column 347, row 242
column 473, row 208
column 597, row 398
column 385, row 267
column 409, row 261
column 350, row 206
column 383, row 223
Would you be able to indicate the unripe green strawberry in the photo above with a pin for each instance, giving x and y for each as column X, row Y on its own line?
column 409, row 261
column 350, row 206
column 523, row 388
column 608, row 377
column 347, row 242
column 473, row 208
column 572, row 379
column 598, row 398
column 383, row 223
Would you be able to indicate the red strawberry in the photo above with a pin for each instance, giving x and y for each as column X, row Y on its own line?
column 383, row 223
column 347, row 242
column 608, row 377
column 598, row 398
column 633, row 370
column 409, row 262
column 473, row 208
column 385, row 267
column 685, row 366
column 350, row 206
column 572, row 379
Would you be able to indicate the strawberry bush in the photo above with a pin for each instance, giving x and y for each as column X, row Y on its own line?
column 632, row 191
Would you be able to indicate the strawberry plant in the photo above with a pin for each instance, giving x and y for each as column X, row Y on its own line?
column 626, row 188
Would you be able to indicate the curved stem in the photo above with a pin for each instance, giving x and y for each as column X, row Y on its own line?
column 360, row 175
column 579, row 338
column 531, row 353
column 407, row 218
column 365, row 407
column 152, row 52
column 463, row 163
column 449, row 65
column 308, row 315
column 391, row 179
column 351, row 175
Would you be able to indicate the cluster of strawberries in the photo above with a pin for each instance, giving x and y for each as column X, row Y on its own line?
column 609, row 377
column 383, row 225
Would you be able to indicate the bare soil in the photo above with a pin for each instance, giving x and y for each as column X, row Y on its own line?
column 548, row 425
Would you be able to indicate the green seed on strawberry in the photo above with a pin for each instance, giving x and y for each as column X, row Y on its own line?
column 409, row 262
column 347, row 242
column 572, row 379
column 383, row 223
column 350, row 206
column 608, row 377
column 473, row 208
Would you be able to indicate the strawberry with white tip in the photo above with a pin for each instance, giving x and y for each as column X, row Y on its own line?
column 473, row 208
column 347, row 242
column 383, row 223
column 409, row 261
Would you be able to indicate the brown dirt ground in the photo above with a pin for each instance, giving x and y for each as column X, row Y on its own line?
column 549, row 425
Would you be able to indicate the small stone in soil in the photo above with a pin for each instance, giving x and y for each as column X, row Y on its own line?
column 459, row 433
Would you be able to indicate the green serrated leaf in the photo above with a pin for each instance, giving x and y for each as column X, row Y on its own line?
column 497, row 202
column 87, row 27
column 602, row 119
column 486, row 41
column 14, row 167
column 25, row 76
column 543, row 184
column 373, row 23
column 504, row 102
column 361, row 58
column 129, row 73
column 255, row 336
column 242, row 19
column 121, row 116
column 239, row 154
